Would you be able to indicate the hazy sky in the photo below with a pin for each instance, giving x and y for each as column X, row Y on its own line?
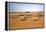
column 15, row 7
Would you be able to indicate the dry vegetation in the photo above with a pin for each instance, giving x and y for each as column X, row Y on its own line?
column 26, row 20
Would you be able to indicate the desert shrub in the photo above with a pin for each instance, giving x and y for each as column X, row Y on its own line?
column 21, row 15
column 40, row 15
column 23, row 19
column 35, row 19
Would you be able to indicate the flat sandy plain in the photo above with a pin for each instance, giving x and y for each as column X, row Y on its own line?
column 25, row 20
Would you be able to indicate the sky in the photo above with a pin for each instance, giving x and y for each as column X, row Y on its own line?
column 17, row 7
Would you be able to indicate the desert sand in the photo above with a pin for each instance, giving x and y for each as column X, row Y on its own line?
column 24, row 20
